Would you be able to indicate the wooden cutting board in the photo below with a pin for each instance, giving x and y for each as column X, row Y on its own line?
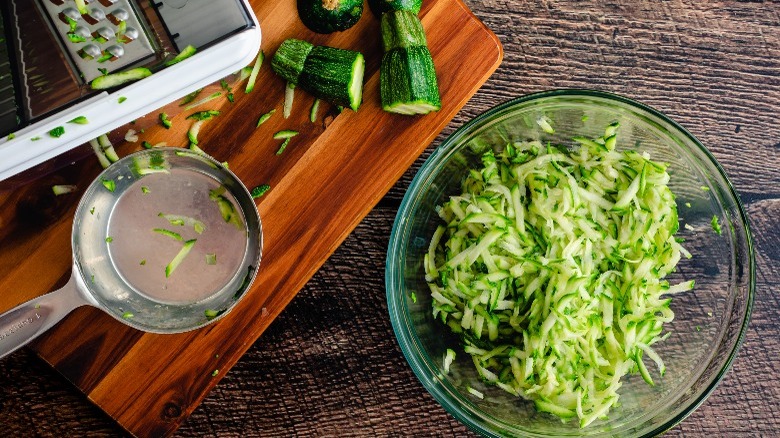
column 327, row 180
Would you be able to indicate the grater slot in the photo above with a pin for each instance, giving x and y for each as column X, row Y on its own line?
column 103, row 37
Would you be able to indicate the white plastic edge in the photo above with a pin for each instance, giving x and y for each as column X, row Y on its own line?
column 104, row 112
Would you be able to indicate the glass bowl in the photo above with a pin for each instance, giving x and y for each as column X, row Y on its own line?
column 710, row 321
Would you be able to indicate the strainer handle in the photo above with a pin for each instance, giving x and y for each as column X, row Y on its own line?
column 27, row 321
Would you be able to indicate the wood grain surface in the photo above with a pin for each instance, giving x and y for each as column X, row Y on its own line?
column 329, row 365
column 324, row 183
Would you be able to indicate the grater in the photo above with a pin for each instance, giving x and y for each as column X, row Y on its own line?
column 51, row 50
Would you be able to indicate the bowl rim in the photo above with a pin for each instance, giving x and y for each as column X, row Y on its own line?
column 408, row 339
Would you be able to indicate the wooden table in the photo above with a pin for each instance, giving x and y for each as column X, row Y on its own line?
column 330, row 365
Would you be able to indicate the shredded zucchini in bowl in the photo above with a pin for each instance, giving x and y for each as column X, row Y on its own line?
column 551, row 266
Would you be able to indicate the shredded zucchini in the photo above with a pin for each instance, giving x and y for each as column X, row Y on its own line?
column 289, row 97
column 550, row 264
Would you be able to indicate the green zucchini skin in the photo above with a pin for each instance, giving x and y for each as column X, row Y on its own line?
column 117, row 79
column 401, row 29
column 408, row 82
column 379, row 7
column 328, row 16
column 289, row 59
column 330, row 74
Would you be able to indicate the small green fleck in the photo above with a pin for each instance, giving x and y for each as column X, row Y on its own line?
column 688, row 204
column 260, row 190
column 698, row 328
column 109, row 239
column 143, row 262
column 109, row 184
column 166, row 122
column 146, row 145
column 190, row 97
column 705, row 188
column 172, row 234
column 210, row 313
column 121, row 99
column 211, row 259
column 11, row 136
column 716, row 225
column 204, row 115
column 584, row 118
column 35, row 139
column 231, row 97
column 285, row 134
column 709, row 314
column 103, row 71
column 264, row 118
column 92, row 210
column 92, row 278
column 414, row 297
column 214, row 373
column 225, row 86
column 313, row 112
column 127, row 315
column 80, row 120
column 283, row 146
column 144, row 189
column 57, row 132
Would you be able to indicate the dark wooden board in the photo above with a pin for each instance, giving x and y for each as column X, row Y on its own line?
column 329, row 365
column 329, row 177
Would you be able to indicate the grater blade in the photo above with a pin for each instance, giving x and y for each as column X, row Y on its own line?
column 101, row 36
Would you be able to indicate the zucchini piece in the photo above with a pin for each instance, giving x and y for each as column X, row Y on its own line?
column 328, row 16
column 407, row 81
column 117, row 79
column 379, row 7
column 57, row 132
column 264, row 118
column 202, row 101
column 289, row 59
column 260, row 190
column 165, row 120
column 289, row 97
column 250, row 85
column 190, row 97
column 80, row 120
column 285, row 134
column 62, row 189
column 107, row 148
column 334, row 75
column 185, row 249
column 184, row 54
column 313, row 111
column 82, row 7
column 204, row 115
column 330, row 74
column 101, row 155
column 172, row 234
column 283, row 146
column 192, row 133
column 401, row 29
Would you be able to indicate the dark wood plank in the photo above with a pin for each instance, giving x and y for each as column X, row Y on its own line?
column 329, row 365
